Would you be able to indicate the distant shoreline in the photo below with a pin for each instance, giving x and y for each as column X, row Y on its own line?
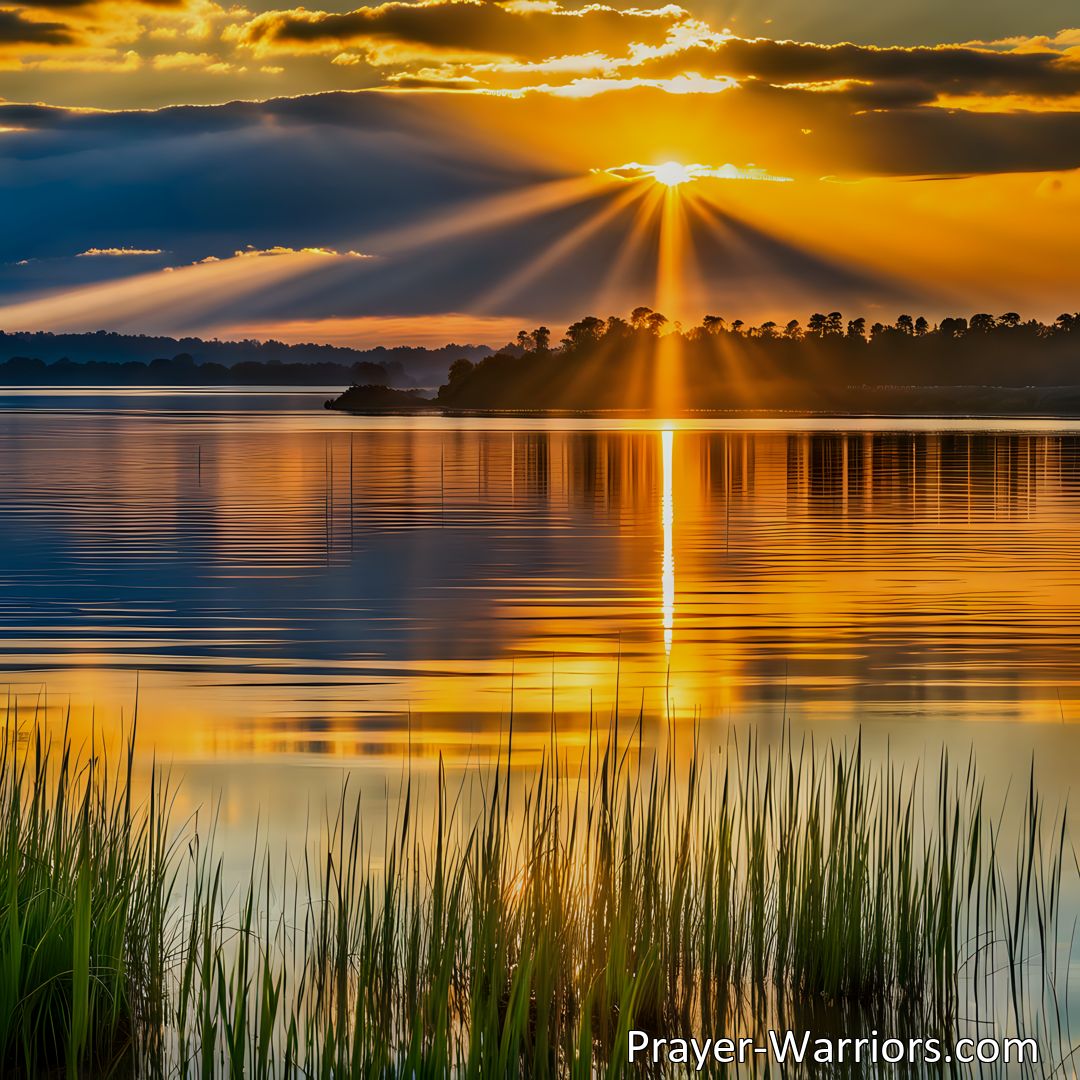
column 1049, row 406
column 893, row 402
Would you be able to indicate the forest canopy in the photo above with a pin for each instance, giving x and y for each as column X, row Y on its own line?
column 645, row 362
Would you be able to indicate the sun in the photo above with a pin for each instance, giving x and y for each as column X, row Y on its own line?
column 672, row 174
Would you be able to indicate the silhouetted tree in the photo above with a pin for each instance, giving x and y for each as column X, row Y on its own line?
column 617, row 329
column 584, row 332
column 460, row 370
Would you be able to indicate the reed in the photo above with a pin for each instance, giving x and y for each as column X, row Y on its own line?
column 85, row 885
column 602, row 894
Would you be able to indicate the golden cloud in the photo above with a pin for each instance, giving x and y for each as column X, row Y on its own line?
column 322, row 252
column 514, row 48
column 674, row 174
column 109, row 37
column 180, row 60
column 115, row 252
column 467, row 28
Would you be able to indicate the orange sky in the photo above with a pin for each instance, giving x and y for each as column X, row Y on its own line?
column 494, row 166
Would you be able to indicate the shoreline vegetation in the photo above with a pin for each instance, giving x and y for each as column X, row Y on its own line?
column 376, row 398
column 862, row 402
column 111, row 359
column 753, row 887
column 643, row 364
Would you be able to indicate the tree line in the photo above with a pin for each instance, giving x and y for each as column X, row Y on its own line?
column 632, row 362
column 644, row 321
column 183, row 370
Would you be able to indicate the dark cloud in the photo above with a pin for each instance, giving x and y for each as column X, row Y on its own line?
column 948, row 69
column 362, row 159
column 421, row 82
column 16, row 29
column 912, row 22
column 940, row 141
column 465, row 26
column 196, row 181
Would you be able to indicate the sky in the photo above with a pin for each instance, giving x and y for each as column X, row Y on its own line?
column 457, row 169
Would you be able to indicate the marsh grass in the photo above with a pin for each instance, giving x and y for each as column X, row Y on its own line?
column 527, row 937
column 85, row 885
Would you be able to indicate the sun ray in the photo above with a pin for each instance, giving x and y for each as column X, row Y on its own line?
column 710, row 219
column 482, row 214
column 613, row 288
column 619, row 282
column 668, row 378
column 185, row 296
column 560, row 250
column 181, row 297
column 789, row 254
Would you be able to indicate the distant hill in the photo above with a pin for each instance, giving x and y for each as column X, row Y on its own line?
column 100, row 358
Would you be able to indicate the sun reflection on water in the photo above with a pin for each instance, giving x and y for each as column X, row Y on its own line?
column 297, row 586
column 668, row 516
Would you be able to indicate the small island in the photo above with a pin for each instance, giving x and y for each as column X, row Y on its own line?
column 371, row 398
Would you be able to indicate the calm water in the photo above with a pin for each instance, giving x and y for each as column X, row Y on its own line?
column 306, row 598
column 295, row 588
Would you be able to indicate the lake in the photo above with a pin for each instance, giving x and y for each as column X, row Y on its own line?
column 298, row 593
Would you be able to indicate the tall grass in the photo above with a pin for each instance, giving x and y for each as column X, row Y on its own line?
column 526, row 938
column 84, row 890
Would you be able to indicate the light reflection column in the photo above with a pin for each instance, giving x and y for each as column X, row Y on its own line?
column 667, row 575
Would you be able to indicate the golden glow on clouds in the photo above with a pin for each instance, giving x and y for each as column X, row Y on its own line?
column 671, row 174
column 116, row 252
column 182, row 294
column 674, row 173
column 690, row 83
column 319, row 252
column 1008, row 103
column 165, row 51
